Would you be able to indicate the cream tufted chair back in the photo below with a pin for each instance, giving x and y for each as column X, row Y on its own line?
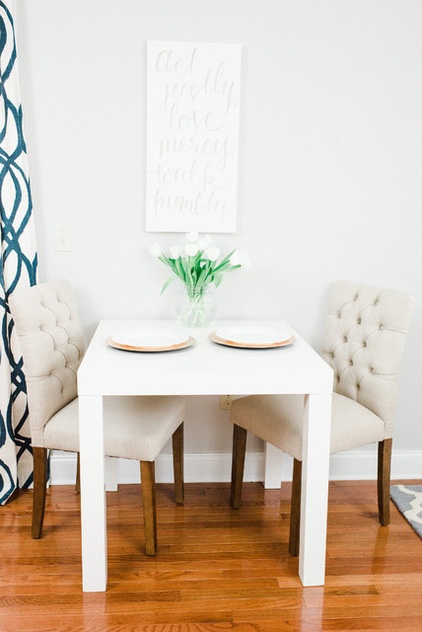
column 363, row 343
column 53, row 349
column 52, row 345
column 364, row 340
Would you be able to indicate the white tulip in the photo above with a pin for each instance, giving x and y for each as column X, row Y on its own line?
column 191, row 249
column 156, row 250
column 175, row 252
column 205, row 242
column 212, row 253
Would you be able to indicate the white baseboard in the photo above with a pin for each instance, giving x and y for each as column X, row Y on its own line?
column 354, row 465
column 199, row 468
column 216, row 468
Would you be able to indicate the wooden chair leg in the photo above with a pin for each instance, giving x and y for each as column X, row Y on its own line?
column 149, row 506
column 294, row 537
column 40, row 482
column 238, row 465
column 78, row 475
column 384, row 476
column 177, row 441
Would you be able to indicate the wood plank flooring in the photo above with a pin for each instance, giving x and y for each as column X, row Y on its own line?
column 216, row 570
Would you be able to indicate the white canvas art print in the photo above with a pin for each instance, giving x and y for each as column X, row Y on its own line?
column 192, row 136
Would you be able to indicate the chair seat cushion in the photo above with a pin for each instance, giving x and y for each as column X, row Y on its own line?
column 278, row 419
column 134, row 427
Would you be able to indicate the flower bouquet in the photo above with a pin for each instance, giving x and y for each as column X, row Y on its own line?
column 198, row 265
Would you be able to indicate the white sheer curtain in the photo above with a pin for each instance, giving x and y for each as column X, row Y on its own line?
column 18, row 265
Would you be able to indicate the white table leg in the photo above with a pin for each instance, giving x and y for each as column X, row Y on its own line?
column 111, row 474
column 93, row 501
column 315, row 470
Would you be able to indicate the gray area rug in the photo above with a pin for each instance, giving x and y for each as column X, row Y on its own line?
column 408, row 500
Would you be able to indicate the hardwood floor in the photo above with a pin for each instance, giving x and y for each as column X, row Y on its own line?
column 216, row 569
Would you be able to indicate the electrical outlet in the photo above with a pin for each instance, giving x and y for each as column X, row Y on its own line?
column 225, row 402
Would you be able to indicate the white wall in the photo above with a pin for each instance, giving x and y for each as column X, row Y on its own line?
column 329, row 172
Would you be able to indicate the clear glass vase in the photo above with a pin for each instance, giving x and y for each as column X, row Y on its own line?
column 196, row 307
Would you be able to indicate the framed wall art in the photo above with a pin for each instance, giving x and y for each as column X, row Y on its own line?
column 193, row 92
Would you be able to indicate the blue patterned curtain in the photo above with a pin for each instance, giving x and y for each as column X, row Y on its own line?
column 18, row 264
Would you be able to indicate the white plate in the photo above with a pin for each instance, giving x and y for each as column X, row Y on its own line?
column 149, row 340
column 252, row 337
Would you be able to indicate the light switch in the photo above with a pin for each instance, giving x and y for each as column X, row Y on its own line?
column 62, row 240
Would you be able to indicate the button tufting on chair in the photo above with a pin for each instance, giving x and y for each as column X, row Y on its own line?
column 134, row 427
column 362, row 409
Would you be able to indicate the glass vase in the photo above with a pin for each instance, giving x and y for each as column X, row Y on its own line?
column 196, row 308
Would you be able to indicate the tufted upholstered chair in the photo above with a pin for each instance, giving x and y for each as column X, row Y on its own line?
column 52, row 346
column 364, row 340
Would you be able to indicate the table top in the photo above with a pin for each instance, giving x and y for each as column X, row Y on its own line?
column 204, row 368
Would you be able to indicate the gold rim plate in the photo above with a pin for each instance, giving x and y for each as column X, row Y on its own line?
column 251, row 345
column 150, row 348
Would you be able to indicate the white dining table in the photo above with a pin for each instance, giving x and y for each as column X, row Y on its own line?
column 203, row 368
